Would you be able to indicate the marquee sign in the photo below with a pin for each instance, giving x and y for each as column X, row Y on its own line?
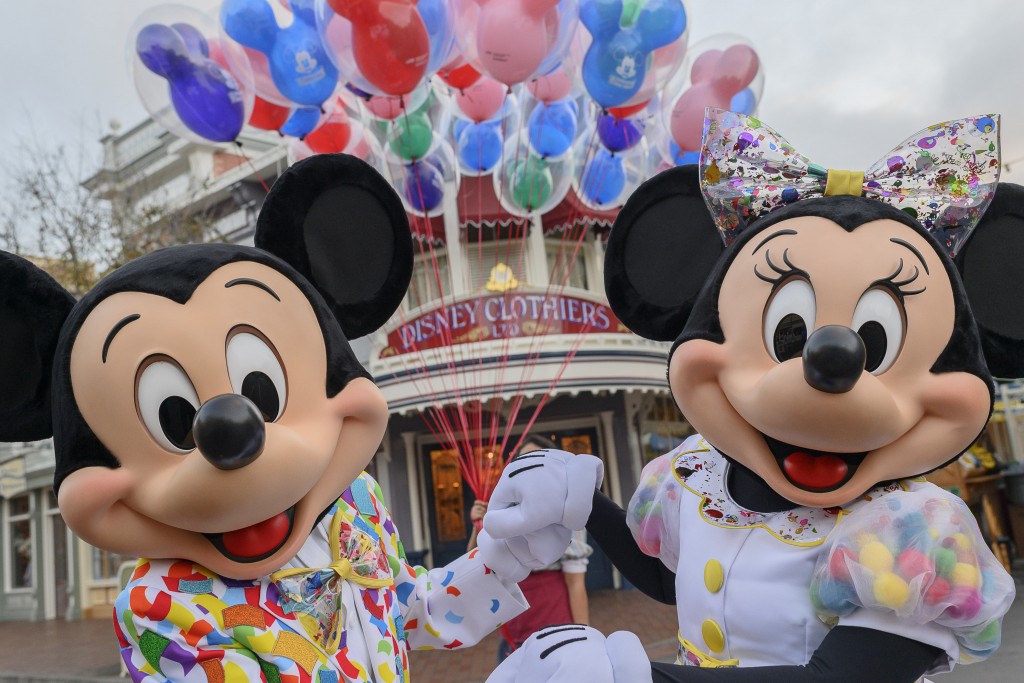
column 501, row 316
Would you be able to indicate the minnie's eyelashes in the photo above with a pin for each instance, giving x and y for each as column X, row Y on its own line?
column 782, row 273
column 897, row 286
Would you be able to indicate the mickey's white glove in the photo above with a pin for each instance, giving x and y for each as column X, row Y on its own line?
column 541, row 498
column 576, row 654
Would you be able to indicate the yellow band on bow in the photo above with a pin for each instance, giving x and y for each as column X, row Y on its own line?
column 706, row 660
column 844, row 182
column 341, row 566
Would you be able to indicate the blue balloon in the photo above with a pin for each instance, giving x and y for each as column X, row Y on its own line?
column 479, row 146
column 195, row 41
column 552, row 128
column 436, row 15
column 424, row 185
column 301, row 122
column 616, row 61
column 299, row 65
column 743, row 102
column 604, row 178
column 618, row 135
column 681, row 158
column 204, row 95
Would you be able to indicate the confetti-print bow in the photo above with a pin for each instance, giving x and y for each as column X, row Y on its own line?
column 314, row 595
column 944, row 176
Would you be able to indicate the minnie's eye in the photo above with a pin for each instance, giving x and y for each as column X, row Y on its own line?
column 788, row 320
column 256, row 373
column 878, row 320
column 168, row 403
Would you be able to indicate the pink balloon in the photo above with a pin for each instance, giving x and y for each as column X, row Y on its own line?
column 687, row 121
column 385, row 106
column 703, row 68
column 736, row 69
column 551, row 88
column 482, row 100
column 513, row 37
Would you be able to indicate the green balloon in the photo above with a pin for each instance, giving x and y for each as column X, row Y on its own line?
column 414, row 135
column 531, row 183
column 631, row 12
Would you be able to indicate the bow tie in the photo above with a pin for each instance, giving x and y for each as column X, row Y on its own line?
column 314, row 594
column 943, row 176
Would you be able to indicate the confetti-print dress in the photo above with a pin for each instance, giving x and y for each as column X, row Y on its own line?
column 178, row 621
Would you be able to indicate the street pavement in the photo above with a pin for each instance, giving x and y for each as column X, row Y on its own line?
column 86, row 651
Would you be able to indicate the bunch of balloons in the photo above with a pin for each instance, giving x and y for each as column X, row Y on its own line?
column 543, row 95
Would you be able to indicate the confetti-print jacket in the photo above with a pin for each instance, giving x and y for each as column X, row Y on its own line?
column 177, row 621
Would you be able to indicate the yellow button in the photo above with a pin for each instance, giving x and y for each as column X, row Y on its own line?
column 713, row 636
column 714, row 577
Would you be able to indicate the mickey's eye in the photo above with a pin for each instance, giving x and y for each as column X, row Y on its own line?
column 167, row 403
column 788, row 319
column 256, row 373
column 878, row 319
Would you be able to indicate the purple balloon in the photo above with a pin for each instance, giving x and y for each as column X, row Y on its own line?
column 424, row 185
column 205, row 96
column 618, row 135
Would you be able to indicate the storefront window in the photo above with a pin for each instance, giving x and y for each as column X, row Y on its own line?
column 430, row 270
column 567, row 263
column 19, row 534
column 449, row 503
column 106, row 564
column 662, row 426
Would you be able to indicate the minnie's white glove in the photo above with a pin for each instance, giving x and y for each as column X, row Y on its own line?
column 576, row 654
column 541, row 498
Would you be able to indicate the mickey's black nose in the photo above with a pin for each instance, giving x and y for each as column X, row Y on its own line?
column 834, row 358
column 229, row 431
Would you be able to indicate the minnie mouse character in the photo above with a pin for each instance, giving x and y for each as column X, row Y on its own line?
column 839, row 345
column 210, row 417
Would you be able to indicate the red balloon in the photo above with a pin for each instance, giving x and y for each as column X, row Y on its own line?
column 389, row 41
column 268, row 116
column 460, row 77
column 626, row 112
column 333, row 135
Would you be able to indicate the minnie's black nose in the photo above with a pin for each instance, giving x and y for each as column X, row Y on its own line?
column 834, row 358
column 229, row 431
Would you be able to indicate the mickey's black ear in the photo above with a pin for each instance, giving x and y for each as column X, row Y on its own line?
column 992, row 267
column 333, row 218
column 33, row 307
column 660, row 251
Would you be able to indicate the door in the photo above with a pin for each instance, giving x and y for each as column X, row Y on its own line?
column 448, row 503
column 584, row 440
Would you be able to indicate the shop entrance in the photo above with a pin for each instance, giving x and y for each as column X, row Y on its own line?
column 449, row 501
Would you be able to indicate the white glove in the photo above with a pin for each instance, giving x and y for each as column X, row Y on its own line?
column 540, row 499
column 541, row 488
column 576, row 654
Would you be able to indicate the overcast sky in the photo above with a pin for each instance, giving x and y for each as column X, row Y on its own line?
column 846, row 81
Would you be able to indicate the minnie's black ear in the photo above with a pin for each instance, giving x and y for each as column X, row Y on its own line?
column 333, row 218
column 660, row 251
column 992, row 267
column 33, row 307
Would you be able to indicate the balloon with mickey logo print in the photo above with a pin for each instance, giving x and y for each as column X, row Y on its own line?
column 298, row 63
column 836, row 334
column 624, row 37
column 513, row 41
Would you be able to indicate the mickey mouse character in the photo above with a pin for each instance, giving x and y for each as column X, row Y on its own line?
column 210, row 417
column 838, row 348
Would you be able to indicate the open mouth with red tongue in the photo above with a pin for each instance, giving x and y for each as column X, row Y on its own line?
column 818, row 471
column 257, row 541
